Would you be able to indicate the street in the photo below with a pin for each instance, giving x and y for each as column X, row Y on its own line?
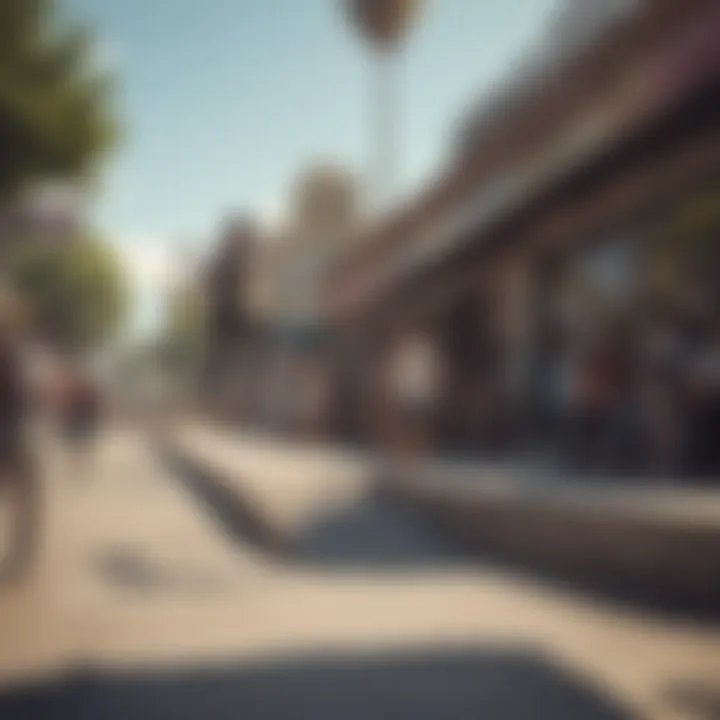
column 146, row 604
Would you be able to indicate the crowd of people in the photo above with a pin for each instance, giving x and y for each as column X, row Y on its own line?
column 615, row 394
column 645, row 396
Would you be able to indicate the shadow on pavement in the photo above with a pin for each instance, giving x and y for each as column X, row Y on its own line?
column 613, row 586
column 380, row 535
column 10, row 575
column 695, row 700
column 131, row 570
column 416, row 685
column 372, row 533
column 382, row 532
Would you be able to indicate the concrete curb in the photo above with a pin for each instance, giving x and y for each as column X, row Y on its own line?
column 232, row 505
column 633, row 555
column 665, row 564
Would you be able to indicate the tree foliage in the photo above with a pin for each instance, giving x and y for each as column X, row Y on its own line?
column 55, row 114
column 76, row 294
column 384, row 22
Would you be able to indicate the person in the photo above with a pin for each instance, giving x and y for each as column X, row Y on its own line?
column 80, row 417
column 18, row 477
column 702, row 449
column 598, row 402
column 570, row 398
column 414, row 378
column 660, row 392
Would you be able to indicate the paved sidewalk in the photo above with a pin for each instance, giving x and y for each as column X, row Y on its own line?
column 290, row 484
column 137, row 575
column 298, row 485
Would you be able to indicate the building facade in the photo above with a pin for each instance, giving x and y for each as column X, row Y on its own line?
column 550, row 216
column 290, row 274
column 229, row 328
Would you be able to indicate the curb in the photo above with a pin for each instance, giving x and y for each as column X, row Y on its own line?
column 669, row 566
column 232, row 507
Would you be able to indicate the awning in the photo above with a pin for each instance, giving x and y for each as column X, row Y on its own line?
column 656, row 86
column 682, row 66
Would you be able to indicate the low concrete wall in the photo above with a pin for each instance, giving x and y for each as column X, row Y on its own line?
column 630, row 544
column 640, row 555
column 264, row 491
column 239, row 513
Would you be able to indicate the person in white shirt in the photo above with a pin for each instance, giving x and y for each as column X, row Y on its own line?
column 414, row 385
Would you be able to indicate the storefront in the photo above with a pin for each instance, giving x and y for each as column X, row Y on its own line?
column 554, row 243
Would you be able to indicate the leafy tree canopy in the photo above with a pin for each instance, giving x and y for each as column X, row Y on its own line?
column 55, row 113
column 76, row 294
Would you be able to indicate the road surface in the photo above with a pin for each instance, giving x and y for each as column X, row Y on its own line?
column 146, row 605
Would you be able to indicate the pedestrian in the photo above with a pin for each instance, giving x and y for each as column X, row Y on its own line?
column 598, row 403
column 703, row 402
column 660, row 388
column 414, row 382
column 18, row 476
column 80, row 418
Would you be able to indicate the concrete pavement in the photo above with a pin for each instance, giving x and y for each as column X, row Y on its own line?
column 273, row 473
column 138, row 577
column 655, row 542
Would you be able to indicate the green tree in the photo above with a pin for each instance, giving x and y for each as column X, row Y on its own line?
column 55, row 116
column 76, row 294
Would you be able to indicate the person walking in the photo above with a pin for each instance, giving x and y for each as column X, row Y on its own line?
column 414, row 387
column 80, row 418
column 660, row 389
column 702, row 452
column 19, row 480
column 598, row 379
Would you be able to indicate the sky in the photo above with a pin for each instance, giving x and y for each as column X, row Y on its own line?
column 224, row 102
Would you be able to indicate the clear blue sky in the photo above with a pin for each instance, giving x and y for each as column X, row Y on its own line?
column 225, row 100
